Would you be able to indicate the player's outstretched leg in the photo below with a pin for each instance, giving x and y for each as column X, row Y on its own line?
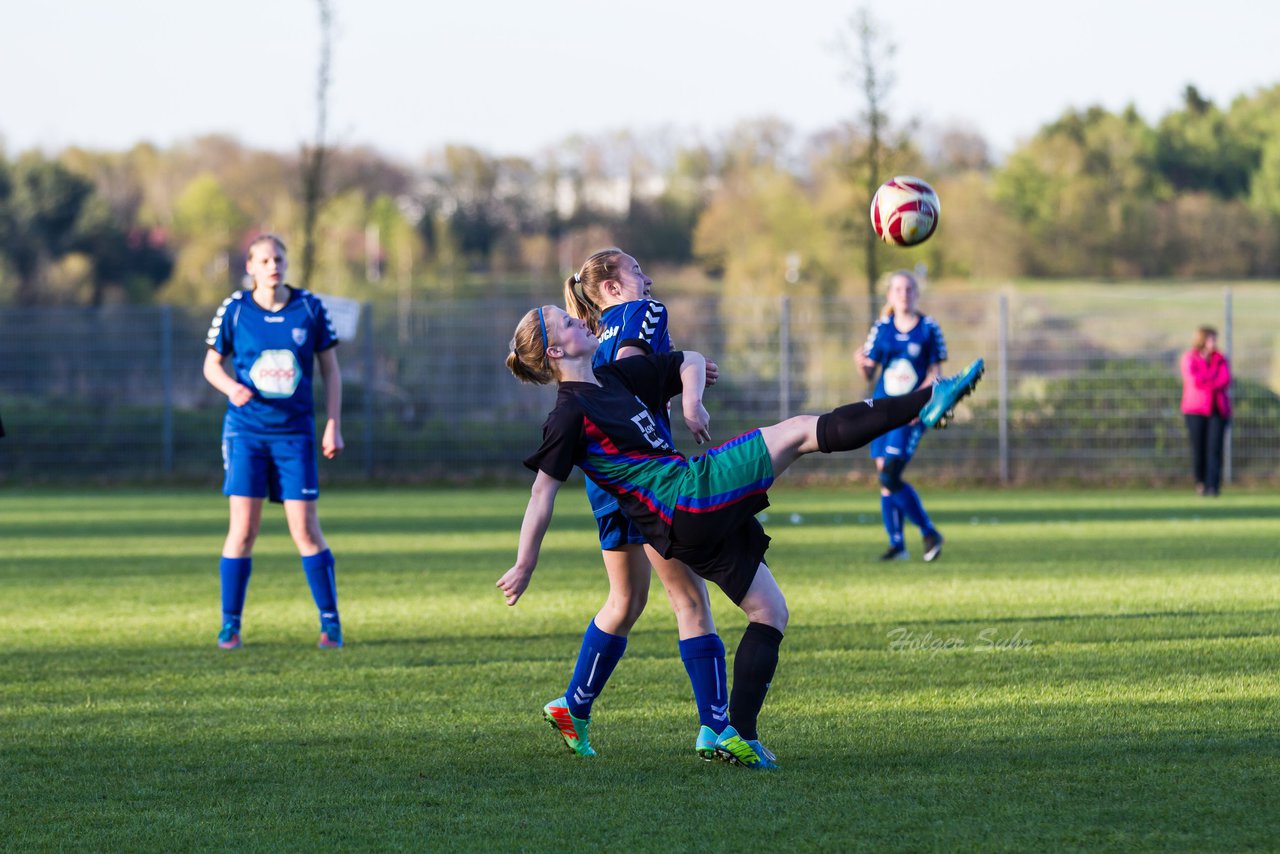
column 948, row 392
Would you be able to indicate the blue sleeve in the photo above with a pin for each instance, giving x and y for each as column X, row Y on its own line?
column 939, row 342
column 326, row 337
column 223, row 324
column 644, row 325
column 872, row 348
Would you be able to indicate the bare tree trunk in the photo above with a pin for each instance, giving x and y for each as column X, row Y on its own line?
column 874, row 89
column 313, row 157
column 868, row 57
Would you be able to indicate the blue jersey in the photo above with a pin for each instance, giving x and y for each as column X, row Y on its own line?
column 904, row 356
column 273, row 355
column 639, row 323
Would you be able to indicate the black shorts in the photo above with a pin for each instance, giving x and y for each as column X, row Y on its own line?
column 726, row 546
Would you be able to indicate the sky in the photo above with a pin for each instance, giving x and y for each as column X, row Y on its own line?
column 513, row 77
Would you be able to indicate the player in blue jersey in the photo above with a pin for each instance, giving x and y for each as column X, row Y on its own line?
column 699, row 510
column 614, row 297
column 270, row 336
column 909, row 349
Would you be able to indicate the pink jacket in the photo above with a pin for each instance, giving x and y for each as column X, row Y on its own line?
column 1206, row 384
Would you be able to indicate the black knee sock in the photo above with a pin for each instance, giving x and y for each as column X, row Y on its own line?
column 753, row 666
column 855, row 424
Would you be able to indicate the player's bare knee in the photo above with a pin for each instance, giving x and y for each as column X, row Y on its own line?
column 693, row 616
column 626, row 607
column 240, row 541
column 773, row 614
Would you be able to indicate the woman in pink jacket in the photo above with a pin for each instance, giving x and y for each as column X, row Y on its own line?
column 1206, row 405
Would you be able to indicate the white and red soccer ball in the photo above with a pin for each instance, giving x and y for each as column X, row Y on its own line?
column 905, row 211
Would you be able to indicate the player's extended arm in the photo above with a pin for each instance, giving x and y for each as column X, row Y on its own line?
column 713, row 370
column 331, row 444
column 218, row 377
column 864, row 363
column 693, row 378
column 537, row 518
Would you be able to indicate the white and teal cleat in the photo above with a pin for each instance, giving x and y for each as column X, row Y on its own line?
column 949, row 391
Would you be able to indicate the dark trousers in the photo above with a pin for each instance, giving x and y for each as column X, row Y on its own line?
column 1206, row 433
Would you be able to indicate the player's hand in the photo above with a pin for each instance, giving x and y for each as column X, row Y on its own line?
column 713, row 372
column 697, row 420
column 513, row 583
column 862, row 360
column 331, row 444
column 240, row 395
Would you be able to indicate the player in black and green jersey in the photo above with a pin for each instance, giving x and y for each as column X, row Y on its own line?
column 700, row 510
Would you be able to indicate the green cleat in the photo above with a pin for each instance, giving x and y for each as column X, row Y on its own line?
column 737, row 750
column 948, row 392
column 572, row 730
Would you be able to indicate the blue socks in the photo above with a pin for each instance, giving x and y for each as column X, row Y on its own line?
column 909, row 502
column 235, row 573
column 600, row 653
column 703, row 659
column 892, row 520
column 324, row 589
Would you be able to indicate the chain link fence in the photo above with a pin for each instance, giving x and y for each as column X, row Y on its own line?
column 1082, row 385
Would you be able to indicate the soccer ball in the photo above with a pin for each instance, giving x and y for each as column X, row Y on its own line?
column 905, row 211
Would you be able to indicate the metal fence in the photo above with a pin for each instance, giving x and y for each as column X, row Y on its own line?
column 1082, row 385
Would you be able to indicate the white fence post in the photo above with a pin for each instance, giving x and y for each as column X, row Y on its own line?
column 166, row 374
column 1002, row 356
column 784, row 358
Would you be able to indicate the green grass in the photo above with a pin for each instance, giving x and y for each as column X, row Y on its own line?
column 1129, row 701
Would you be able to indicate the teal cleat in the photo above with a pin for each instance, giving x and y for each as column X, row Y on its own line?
column 572, row 730
column 330, row 636
column 705, row 746
column 229, row 637
column 948, row 392
column 737, row 750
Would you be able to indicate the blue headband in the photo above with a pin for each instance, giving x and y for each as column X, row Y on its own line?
column 542, row 321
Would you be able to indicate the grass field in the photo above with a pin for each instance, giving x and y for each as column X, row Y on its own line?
column 1080, row 670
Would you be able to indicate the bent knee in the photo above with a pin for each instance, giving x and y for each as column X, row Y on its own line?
column 774, row 613
column 627, row 607
column 891, row 475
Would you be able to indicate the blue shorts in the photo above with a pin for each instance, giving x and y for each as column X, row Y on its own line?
column 617, row 530
column 282, row 468
column 900, row 443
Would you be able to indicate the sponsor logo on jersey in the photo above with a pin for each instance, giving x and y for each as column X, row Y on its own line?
column 276, row 373
column 648, row 428
column 274, row 319
column 900, row 377
column 609, row 333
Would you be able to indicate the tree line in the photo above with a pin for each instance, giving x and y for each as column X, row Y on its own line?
column 1093, row 193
